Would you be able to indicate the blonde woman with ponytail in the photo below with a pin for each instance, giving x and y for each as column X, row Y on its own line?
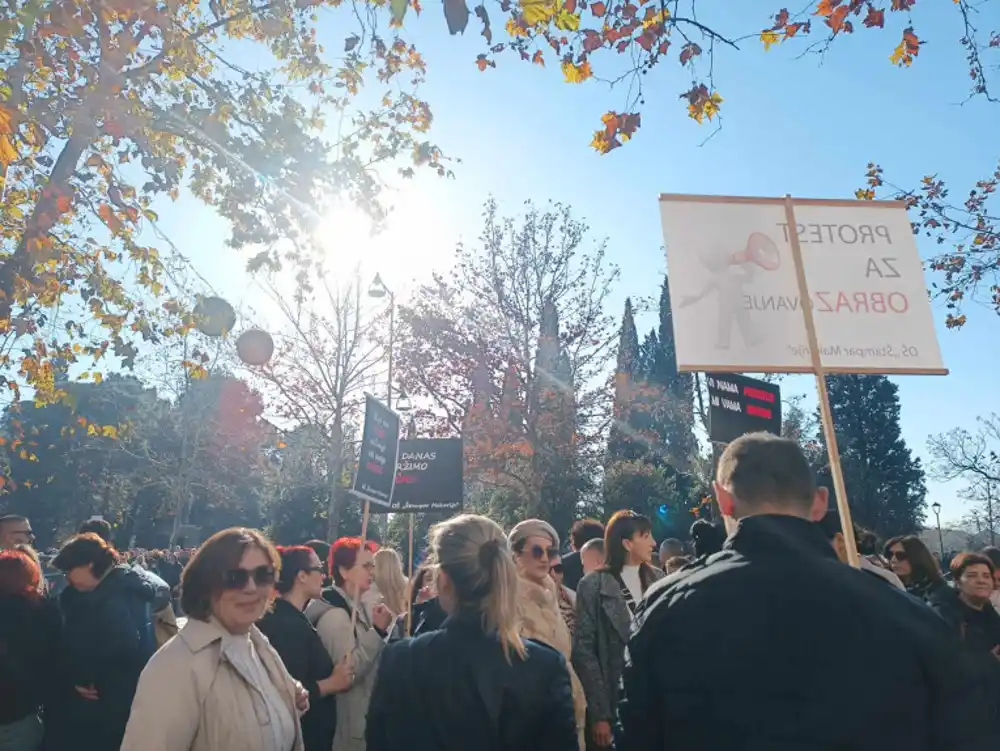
column 475, row 683
column 389, row 583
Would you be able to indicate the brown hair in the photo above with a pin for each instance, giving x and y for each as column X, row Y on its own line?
column 761, row 468
column 963, row 560
column 87, row 549
column 203, row 577
column 925, row 569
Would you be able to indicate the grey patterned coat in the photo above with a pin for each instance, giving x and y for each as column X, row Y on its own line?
column 602, row 630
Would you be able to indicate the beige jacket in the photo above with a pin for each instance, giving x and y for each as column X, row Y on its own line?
column 191, row 698
column 334, row 628
column 538, row 611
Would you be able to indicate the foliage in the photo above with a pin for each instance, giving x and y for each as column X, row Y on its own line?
column 967, row 233
column 196, row 459
column 108, row 108
column 509, row 350
column 659, row 493
column 974, row 459
column 631, row 38
column 884, row 481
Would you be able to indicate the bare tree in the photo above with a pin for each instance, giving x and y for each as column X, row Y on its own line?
column 972, row 457
column 328, row 350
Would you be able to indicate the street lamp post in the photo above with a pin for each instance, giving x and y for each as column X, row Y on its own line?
column 936, row 508
column 378, row 290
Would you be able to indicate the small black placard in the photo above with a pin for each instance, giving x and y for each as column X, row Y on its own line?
column 375, row 478
column 739, row 405
column 428, row 475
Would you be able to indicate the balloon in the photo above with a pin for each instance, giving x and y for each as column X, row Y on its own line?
column 255, row 347
column 215, row 316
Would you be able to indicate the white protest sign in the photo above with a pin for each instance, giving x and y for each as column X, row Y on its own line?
column 735, row 295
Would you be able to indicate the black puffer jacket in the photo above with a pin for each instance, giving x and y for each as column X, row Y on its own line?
column 107, row 639
column 774, row 645
column 453, row 690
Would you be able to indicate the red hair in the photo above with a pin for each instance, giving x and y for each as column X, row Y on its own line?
column 344, row 554
column 19, row 574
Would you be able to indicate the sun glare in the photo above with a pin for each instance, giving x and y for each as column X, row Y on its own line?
column 413, row 242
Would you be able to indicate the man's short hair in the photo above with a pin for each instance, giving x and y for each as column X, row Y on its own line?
column 585, row 530
column 671, row 547
column 761, row 468
column 595, row 544
column 99, row 527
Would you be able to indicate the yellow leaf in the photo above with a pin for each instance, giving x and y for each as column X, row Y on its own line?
column 535, row 12
column 109, row 431
column 769, row 38
column 98, row 377
column 282, row 444
column 91, row 430
column 567, row 21
column 576, row 73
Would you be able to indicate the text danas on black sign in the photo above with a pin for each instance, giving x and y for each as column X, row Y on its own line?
column 428, row 475
column 740, row 405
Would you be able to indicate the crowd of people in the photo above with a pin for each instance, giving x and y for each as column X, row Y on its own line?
column 757, row 635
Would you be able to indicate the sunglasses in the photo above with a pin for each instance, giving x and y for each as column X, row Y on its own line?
column 557, row 569
column 538, row 552
column 238, row 578
column 897, row 555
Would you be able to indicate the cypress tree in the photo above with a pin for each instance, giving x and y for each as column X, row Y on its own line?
column 884, row 481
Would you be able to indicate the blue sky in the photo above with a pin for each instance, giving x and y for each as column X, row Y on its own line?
column 802, row 126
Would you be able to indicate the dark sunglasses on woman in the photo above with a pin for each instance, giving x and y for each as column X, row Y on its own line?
column 538, row 552
column 238, row 578
column 556, row 569
column 898, row 555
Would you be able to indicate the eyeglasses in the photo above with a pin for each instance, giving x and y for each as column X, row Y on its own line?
column 557, row 568
column 538, row 552
column 238, row 578
column 315, row 570
column 897, row 555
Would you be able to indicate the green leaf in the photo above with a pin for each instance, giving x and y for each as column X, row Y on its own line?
column 399, row 9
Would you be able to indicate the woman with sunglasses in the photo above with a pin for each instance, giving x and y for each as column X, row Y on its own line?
column 535, row 543
column 606, row 602
column 290, row 632
column 361, row 642
column 219, row 684
column 913, row 563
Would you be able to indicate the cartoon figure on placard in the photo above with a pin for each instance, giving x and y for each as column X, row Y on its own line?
column 731, row 272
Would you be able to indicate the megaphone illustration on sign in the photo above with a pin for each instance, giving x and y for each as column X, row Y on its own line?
column 760, row 250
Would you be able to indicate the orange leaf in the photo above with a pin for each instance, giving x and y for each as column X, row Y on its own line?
column 875, row 18
column 598, row 9
column 537, row 58
column 836, row 21
column 63, row 203
column 483, row 63
column 826, row 7
column 107, row 215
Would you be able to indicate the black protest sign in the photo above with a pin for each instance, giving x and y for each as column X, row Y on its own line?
column 739, row 405
column 429, row 475
column 375, row 477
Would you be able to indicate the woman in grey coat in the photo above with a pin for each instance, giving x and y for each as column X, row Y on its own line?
column 606, row 600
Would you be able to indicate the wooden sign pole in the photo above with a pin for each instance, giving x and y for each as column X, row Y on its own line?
column 826, row 415
column 364, row 533
column 409, row 598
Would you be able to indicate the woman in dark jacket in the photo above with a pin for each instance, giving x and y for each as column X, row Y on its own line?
column 473, row 684
column 294, row 638
column 427, row 613
column 29, row 641
column 606, row 601
column 967, row 608
column 913, row 563
column 107, row 640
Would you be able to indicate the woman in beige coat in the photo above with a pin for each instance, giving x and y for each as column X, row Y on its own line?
column 534, row 543
column 351, row 567
column 219, row 685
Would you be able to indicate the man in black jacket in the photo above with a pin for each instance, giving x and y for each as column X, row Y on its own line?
column 774, row 644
